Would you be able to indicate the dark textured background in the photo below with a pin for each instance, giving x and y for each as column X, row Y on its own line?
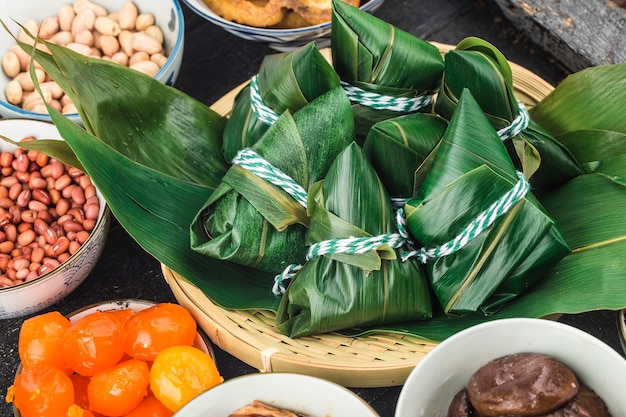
column 214, row 63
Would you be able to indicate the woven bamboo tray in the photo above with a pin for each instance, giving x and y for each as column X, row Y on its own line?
column 376, row 360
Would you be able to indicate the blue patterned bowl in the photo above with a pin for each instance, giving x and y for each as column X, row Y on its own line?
column 168, row 16
column 33, row 296
column 278, row 39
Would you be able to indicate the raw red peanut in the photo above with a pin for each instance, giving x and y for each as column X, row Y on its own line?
column 57, row 169
column 7, row 246
column 40, row 226
column 5, row 281
column 62, row 182
column 50, row 236
column 82, row 236
column 72, row 226
column 89, row 224
column 14, row 191
column 42, row 159
column 8, row 181
column 90, row 191
column 60, row 246
column 64, row 256
column 74, row 247
column 91, row 211
column 37, row 183
column 78, row 195
column 6, row 158
column 6, row 170
column 28, row 217
column 46, row 216
column 22, row 176
column 23, row 198
column 22, row 227
column 22, row 163
column 77, row 214
column 37, row 255
column 62, row 206
column 4, row 192
column 26, row 238
column 41, row 196
column 74, row 172
column 11, row 232
column 5, row 203
column 16, row 214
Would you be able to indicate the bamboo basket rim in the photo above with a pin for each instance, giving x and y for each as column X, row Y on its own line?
column 374, row 360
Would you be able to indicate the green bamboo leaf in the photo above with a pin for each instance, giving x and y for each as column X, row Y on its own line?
column 57, row 149
column 149, row 205
column 378, row 57
column 157, row 126
column 327, row 294
column 252, row 222
column 589, row 99
column 470, row 171
column 396, row 148
column 478, row 66
column 595, row 147
column 286, row 81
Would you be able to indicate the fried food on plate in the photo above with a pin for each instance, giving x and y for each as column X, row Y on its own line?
column 315, row 11
column 259, row 13
column 275, row 13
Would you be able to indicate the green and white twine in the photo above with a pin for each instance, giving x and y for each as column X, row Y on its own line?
column 253, row 162
column 482, row 222
column 262, row 111
column 384, row 102
column 396, row 240
column 517, row 126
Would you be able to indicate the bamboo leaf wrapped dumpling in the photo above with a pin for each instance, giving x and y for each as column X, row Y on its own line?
column 335, row 291
column 387, row 71
column 252, row 222
column 472, row 172
column 480, row 67
column 285, row 81
column 397, row 147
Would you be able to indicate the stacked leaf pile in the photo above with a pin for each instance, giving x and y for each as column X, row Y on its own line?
column 393, row 189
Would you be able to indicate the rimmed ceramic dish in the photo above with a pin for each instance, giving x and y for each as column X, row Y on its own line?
column 447, row 368
column 306, row 395
column 278, row 39
column 49, row 288
column 168, row 16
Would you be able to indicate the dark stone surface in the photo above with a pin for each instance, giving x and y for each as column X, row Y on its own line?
column 214, row 63
column 579, row 33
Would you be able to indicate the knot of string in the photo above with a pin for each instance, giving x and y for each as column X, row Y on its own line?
column 256, row 164
column 517, row 126
column 384, row 102
column 262, row 111
column 482, row 222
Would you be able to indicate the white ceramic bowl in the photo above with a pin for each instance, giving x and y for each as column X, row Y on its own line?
column 45, row 290
column 168, row 16
column 447, row 368
column 278, row 39
column 303, row 394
